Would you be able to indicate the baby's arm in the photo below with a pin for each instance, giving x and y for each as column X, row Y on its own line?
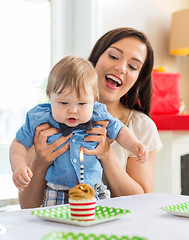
column 128, row 141
column 22, row 174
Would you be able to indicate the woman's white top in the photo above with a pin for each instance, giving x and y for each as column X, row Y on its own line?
column 144, row 129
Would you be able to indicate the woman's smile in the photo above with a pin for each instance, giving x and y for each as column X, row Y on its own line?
column 112, row 81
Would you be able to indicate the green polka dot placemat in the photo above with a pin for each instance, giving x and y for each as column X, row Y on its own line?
column 181, row 209
column 91, row 236
column 62, row 214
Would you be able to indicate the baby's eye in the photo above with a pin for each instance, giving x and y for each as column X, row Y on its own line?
column 113, row 56
column 82, row 103
column 64, row 103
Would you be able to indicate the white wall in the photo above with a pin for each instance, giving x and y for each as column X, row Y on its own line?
column 77, row 24
column 153, row 18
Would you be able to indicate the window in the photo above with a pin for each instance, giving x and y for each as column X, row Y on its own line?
column 25, row 64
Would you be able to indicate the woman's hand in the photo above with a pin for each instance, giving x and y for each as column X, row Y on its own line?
column 100, row 136
column 46, row 152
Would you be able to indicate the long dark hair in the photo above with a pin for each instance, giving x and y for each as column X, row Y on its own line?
column 139, row 96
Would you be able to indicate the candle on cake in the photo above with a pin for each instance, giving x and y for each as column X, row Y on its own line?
column 81, row 166
column 82, row 199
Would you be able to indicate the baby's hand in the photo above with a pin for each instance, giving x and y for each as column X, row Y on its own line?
column 141, row 153
column 22, row 177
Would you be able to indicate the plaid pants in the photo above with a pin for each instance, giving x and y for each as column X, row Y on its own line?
column 57, row 197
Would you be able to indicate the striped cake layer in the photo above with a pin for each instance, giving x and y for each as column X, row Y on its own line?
column 83, row 205
column 83, row 211
column 83, row 215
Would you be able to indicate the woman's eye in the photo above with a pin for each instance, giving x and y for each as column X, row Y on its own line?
column 113, row 56
column 133, row 67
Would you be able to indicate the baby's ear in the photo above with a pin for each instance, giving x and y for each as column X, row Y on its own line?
column 97, row 98
column 49, row 97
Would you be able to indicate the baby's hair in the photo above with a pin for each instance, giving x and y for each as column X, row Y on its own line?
column 75, row 73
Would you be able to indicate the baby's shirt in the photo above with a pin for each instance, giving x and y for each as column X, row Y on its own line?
column 65, row 170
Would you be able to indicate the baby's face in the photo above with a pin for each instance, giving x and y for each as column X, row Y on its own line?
column 67, row 108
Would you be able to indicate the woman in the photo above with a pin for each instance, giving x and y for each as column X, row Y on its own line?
column 123, row 59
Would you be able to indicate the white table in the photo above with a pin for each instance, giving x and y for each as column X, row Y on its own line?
column 146, row 220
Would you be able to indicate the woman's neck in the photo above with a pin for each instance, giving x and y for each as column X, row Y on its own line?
column 116, row 109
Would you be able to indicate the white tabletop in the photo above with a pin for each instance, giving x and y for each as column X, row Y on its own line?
column 145, row 220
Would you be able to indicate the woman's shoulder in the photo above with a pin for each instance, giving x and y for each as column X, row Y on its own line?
column 144, row 129
column 138, row 119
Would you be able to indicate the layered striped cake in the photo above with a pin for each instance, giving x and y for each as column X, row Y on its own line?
column 82, row 202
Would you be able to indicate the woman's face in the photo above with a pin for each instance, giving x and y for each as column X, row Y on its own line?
column 118, row 68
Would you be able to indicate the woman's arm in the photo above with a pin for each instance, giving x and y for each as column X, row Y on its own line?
column 40, row 158
column 138, row 178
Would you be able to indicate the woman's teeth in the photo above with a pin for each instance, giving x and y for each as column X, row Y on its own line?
column 114, row 80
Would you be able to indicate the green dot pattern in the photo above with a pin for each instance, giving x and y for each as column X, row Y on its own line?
column 178, row 208
column 58, row 212
column 63, row 212
column 91, row 236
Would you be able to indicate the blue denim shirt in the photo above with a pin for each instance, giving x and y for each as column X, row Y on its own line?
column 65, row 170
